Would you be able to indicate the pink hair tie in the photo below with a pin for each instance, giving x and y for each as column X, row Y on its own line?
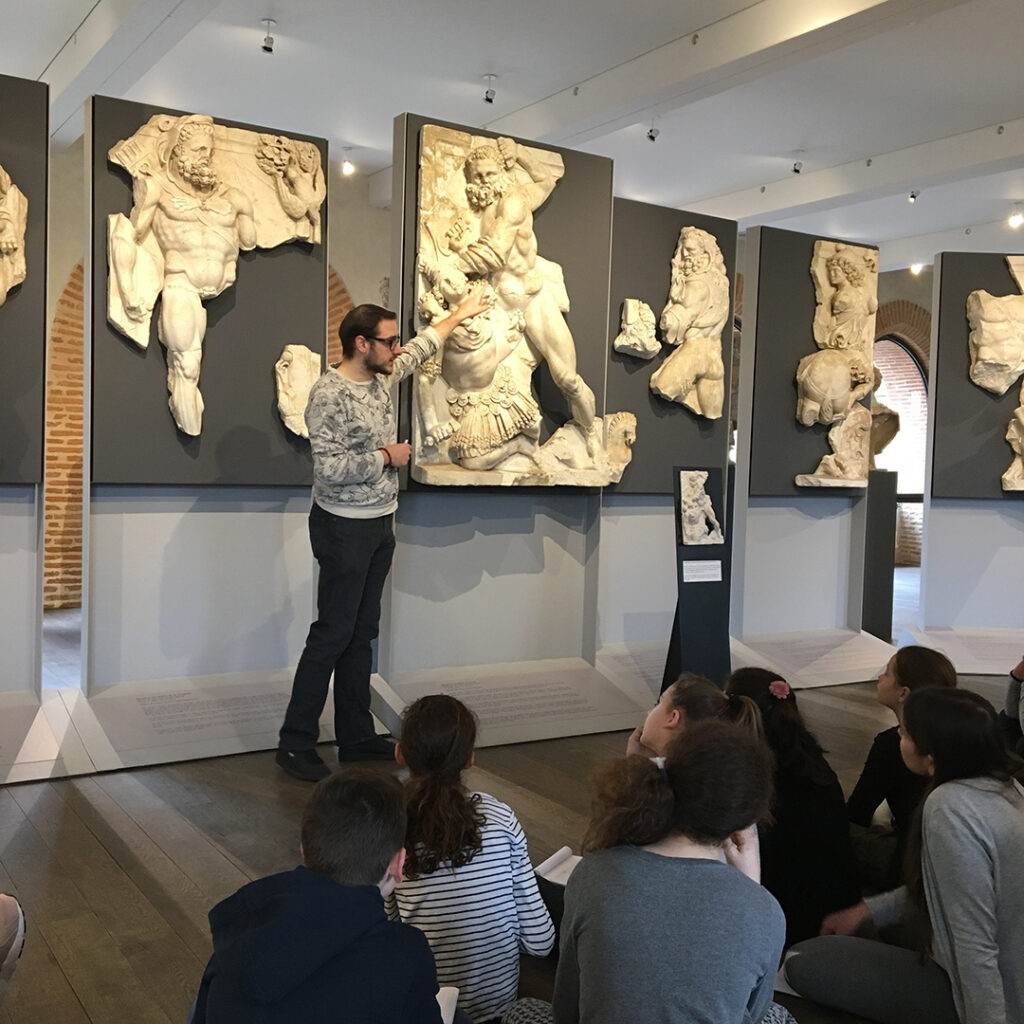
column 779, row 689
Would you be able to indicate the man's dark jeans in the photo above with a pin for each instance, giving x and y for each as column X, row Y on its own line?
column 354, row 557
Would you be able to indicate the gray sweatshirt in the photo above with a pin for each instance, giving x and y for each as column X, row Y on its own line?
column 665, row 940
column 349, row 422
column 971, row 859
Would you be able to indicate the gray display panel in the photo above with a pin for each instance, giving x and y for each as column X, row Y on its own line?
column 970, row 452
column 644, row 238
column 780, row 446
column 279, row 298
column 573, row 228
column 24, row 149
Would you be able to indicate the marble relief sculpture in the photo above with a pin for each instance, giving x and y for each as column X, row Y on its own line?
column 996, row 346
column 295, row 372
column 700, row 524
column 476, row 418
column 832, row 381
column 203, row 193
column 637, row 336
column 13, row 220
column 693, row 320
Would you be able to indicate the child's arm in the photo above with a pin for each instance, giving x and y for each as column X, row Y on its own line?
column 536, row 932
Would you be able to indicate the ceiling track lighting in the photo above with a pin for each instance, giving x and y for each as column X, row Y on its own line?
column 653, row 132
column 489, row 92
column 1016, row 217
column 916, row 268
column 268, row 40
column 347, row 167
column 912, row 198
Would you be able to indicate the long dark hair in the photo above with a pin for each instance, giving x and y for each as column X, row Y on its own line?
column 699, row 700
column 717, row 780
column 918, row 667
column 796, row 749
column 960, row 731
column 438, row 734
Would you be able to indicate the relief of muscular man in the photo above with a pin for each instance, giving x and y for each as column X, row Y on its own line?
column 199, row 224
column 505, row 254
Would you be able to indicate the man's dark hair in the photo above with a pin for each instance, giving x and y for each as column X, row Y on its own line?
column 361, row 320
column 353, row 825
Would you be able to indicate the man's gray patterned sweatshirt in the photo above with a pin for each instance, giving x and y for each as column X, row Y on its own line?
column 349, row 422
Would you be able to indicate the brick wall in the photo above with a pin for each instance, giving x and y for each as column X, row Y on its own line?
column 62, row 482
column 339, row 302
column 62, row 533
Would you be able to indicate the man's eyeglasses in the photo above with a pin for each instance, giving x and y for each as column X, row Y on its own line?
column 394, row 343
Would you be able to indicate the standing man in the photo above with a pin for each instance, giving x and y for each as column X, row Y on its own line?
column 355, row 493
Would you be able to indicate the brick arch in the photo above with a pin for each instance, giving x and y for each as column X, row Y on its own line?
column 339, row 302
column 62, row 483
column 910, row 324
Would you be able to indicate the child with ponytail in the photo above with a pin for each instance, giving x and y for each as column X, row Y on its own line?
column 656, row 926
column 469, row 885
column 807, row 859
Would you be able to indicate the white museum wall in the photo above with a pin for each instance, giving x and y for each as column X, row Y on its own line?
column 802, row 565
column 637, row 579
column 20, row 589
column 358, row 237
column 488, row 578
column 972, row 565
column 184, row 585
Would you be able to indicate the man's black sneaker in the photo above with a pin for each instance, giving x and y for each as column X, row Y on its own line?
column 303, row 764
column 376, row 748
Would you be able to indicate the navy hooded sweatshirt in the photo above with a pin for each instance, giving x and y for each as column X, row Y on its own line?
column 300, row 947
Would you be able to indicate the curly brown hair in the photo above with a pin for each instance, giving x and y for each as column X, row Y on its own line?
column 717, row 780
column 444, row 820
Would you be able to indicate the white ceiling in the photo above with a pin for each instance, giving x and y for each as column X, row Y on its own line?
column 739, row 90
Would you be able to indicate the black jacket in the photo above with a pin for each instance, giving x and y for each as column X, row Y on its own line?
column 299, row 947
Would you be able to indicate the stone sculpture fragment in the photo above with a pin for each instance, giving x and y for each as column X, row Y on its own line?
column 203, row 193
column 693, row 321
column 832, row 381
column 296, row 371
column 13, row 220
column 996, row 346
column 637, row 336
column 476, row 419
column 697, row 514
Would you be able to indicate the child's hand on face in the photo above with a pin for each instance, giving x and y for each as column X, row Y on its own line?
column 635, row 747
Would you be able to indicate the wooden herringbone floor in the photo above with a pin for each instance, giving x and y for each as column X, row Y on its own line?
column 117, row 872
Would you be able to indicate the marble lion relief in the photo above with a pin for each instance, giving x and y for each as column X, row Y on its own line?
column 13, row 220
column 996, row 345
column 203, row 192
column 476, row 417
column 832, row 381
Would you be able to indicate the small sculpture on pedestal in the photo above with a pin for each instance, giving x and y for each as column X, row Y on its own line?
column 693, row 320
column 697, row 514
column 13, row 220
column 832, row 381
column 997, row 357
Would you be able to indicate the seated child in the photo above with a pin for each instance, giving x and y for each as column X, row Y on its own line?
column 806, row 856
column 885, row 776
column 314, row 944
column 656, row 926
column 469, row 885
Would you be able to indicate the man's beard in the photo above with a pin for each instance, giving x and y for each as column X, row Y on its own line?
column 197, row 173
column 482, row 196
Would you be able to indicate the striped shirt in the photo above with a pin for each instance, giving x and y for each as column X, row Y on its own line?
column 478, row 917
